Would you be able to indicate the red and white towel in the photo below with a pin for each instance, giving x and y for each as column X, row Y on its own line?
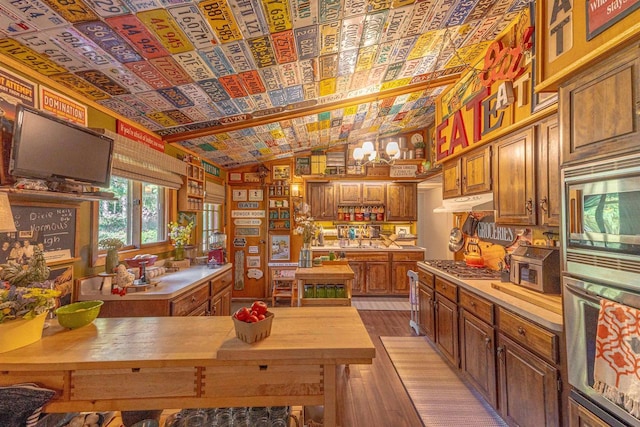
column 617, row 362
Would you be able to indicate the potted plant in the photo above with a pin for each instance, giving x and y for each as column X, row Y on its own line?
column 26, row 296
column 111, row 245
column 181, row 236
column 419, row 148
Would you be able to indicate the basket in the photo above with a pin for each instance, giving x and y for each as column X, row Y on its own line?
column 252, row 332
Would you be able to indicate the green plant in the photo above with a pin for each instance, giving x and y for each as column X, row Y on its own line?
column 26, row 302
column 180, row 234
column 110, row 243
column 419, row 145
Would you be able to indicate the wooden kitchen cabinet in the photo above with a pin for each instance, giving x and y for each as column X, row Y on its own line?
column 402, row 201
column 548, row 179
column 192, row 302
column 401, row 263
column 467, row 174
column 426, row 304
column 322, row 200
column 221, row 290
column 447, row 320
column 191, row 194
column 514, row 175
column 353, row 193
column 371, row 272
column 579, row 416
column 599, row 109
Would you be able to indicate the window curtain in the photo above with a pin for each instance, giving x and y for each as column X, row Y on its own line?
column 215, row 193
column 134, row 160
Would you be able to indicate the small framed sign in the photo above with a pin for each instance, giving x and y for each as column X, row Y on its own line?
column 281, row 172
column 256, row 195
column 251, row 177
column 280, row 247
column 239, row 195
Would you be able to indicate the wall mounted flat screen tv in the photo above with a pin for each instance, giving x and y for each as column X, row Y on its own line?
column 49, row 148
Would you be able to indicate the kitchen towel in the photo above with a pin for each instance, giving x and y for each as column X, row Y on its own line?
column 616, row 372
column 21, row 404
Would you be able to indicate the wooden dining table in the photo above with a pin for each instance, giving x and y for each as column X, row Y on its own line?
column 141, row 363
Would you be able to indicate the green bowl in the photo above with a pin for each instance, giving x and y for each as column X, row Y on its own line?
column 78, row 314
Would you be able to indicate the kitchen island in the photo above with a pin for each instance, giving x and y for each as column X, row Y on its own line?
column 329, row 284
column 179, row 362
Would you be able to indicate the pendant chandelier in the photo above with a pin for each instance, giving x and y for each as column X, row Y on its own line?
column 372, row 153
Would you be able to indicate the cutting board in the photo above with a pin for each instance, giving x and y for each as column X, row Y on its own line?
column 549, row 302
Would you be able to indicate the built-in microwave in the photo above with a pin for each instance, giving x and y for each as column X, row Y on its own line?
column 601, row 226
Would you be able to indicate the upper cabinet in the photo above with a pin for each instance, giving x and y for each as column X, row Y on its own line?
column 548, row 180
column 322, row 200
column 191, row 194
column 402, row 201
column 599, row 109
column 350, row 193
column 467, row 174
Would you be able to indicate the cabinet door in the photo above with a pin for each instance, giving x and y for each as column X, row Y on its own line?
column 548, row 182
column 426, row 310
column 373, row 193
column 359, row 270
column 514, row 179
column 476, row 171
column 451, row 179
column 528, row 387
column 377, row 281
column 477, row 355
column 349, row 193
column 322, row 201
column 579, row 416
column 399, row 279
column 402, row 202
column 447, row 328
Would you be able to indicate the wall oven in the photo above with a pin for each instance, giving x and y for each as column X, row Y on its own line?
column 602, row 221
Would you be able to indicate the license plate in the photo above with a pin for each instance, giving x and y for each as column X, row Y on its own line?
column 261, row 101
column 306, row 42
column 228, row 108
column 77, row 84
column 233, row 85
column 359, row 79
column 437, row 15
column 71, row 39
column 347, row 62
column 194, row 65
column 139, row 36
column 251, row 80
column 11, row 23
column 149, row 74
column 36, row 12
column 462, row 9
column 393, row 71
column 328, row 66
column 329, row 38
column 175, row 97
column 250, row 18
column 420, row 11
column 142, row 5
column 394, row 84
column 244, row 104
column 310, row 91
column 271, row 78
column 42, row 44
column 384, row 53
column 350, row 33
column 155, row 100
column 397, row 24
column 423, row 45
column 159, row 21
column 110, row 41
column 410, row 68
column 107, row 8
column 366, row 58
column 327, row 87
column 134, row 101
column 277, row 15
column 262, row 51
column 330, row 10
column 304, row 12
column 278, row 98
column 119, row 107
column 162, row 119
column 480, row 10
column 373, row 28
column 102, row 82
column 240, row 56
column 290, row 74
column 308, row 70
column 214, row 89
column 354, row 7
column 284, row 46
column 73, row 10
column 179, row 117
column 194, row 26
column 221, row 20
column 171, row 70
column 195, row 94
column 376, row 5
column 217, row 61
column 402, row 49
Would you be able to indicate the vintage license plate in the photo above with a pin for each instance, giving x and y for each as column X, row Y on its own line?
column 119, row 107
column 410, row 67
column 149, row 74
column 354, row 7
column 308, row 70
column 328, row 66
column 179, row 117
column 304, row 12
column 420, row 11
column 271, row 78
column 250, row 18
column 154, row 100
column 366, row 58
column 162, row 119
column 329, row 38
column 290, row 74
column 399, row 3
column 29, row 57
column 240, row 56
column 350, row 33
column 423, row 44
column 227, row 107
column 343, row 83
column 394, row 84
column 310, row 91
column 284, row 46
column 195, row 94
column 107, row 8
column 73, row 10
column 130, row 27
column 402, row 49
column 36, row 12
column 110, row 41
column 244, row 104
column 306, row 42
column 480, row 10
column 327, row 87
column 11, row 23
column 330, row 10
column 102, row 82
column 359, row 79
column 385, row 50
column 194, row 26
column 134, row 101
column 221, row 20
column 175, row 97
column 233, row 85
column 397, row 24
column 217, row 61
column 252, row 81
column 71, row 39
column 78, row 84
column 194, row 65
column 376, row 5
column 42, row 44
column 214, row 89
column 262, row 51
column 461, row 10
column 393, row 71
column 278, row 98
column 166, row 30
column 277, row 15
column 261, row 101
column 500, row 7
column 484, row 26
column 347, row 62
column 145, row 122
column 171, row 70
column 142, row 5
column 437, row 15
column 373, row 28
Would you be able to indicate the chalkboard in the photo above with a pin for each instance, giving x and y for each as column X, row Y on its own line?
column 54, row 228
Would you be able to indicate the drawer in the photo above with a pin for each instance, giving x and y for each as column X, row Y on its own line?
column 425, row 277
column 183, row 305
column 407, row 256
column 529, row 335
column 477, row 306
column 221, row 282
column 367, row 256
column 133, row 383
column 447, row 289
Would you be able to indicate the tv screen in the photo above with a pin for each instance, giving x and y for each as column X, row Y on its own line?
column 48, row 148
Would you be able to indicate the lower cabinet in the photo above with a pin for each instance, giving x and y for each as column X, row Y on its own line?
column 579, row 416
column 221, row 289
column 478, row 355
column 447, row 319
column 426, row 308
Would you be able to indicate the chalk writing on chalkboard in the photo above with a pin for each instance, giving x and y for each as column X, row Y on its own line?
column 51, row 228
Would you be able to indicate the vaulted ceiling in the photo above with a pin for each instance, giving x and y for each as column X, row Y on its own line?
column 243, row 81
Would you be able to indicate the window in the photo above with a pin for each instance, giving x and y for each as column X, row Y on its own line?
column 212, row 221
column 137, row 216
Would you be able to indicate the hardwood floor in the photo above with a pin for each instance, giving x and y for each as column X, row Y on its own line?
column 373, row 395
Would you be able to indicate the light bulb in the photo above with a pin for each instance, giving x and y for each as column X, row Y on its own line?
column 367, row 147
column 358, row 154
column 372, row 156
column 393, row 150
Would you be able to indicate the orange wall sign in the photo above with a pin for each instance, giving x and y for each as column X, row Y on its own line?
column 137, row 135
column 61, row 106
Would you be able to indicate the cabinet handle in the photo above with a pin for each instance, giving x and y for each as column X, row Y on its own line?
column 499, row 352
column 487, row 342
column 543, row 204
column 458, row 182
column 529, row 206
column 521, row 331
column 464, row 180
column 473, row 304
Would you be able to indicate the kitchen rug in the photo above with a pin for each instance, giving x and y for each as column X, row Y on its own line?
column 439, row 395
column 371, row 303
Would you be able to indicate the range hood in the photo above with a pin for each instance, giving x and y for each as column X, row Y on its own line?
column 476, row 202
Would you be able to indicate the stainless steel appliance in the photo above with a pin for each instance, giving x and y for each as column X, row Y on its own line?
column 601, row 227
column 536, row 268
column 461, row 270
column 581, row 307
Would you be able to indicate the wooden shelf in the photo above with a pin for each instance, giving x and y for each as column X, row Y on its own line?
column 191, row 195
column 54, row 196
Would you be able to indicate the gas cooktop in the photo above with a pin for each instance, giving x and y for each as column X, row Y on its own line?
column 461, row 270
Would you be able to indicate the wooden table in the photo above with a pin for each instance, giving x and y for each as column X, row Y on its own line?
column 189, row 362
column 339, row 273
